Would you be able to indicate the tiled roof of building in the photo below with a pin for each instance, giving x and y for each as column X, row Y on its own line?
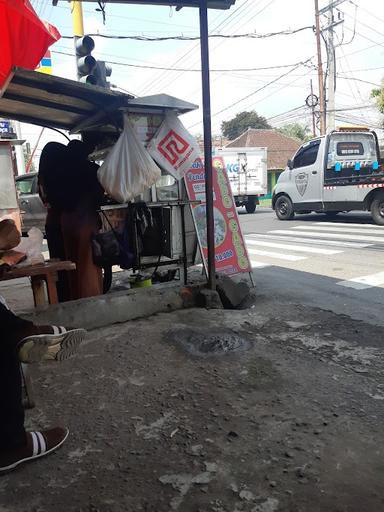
column 280, row 147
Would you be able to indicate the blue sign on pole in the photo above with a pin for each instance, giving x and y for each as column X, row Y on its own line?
column 5, row 127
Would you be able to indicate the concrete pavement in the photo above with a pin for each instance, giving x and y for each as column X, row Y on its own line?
column 275, row 408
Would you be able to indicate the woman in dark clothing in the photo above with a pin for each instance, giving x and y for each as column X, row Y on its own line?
column 80, row 221
column 52, row 166
column 70, row 188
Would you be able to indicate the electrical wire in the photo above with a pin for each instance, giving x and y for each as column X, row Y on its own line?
column 249, row 35
column 188, row 70
column 161, row 77
column 254, row 92
column 342, row 43
column 234, row 28
column 368, row 12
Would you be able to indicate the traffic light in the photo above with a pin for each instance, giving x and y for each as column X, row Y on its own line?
column 102, row 72
column 90, row 70
column 86, row 63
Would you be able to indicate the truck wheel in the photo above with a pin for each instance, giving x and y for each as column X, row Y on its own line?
column 377, row 210
column 250, row 206
column 284, row 208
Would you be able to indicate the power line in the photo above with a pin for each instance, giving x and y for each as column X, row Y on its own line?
column 368, row 12
column 357, row 80
column 186, row 69
column 249, row 35
column 287, row 112
column 367, row 38
column 256, row 91
column 162, row 76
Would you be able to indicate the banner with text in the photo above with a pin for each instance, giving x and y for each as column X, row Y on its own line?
column 231, row 255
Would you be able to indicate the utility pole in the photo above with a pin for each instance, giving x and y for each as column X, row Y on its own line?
column 329, row 104
column 320, row 73
column 331, row 62
column 313, row 113
column 331, row 78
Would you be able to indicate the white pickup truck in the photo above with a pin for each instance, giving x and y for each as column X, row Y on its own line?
column 339, row 172
column 247, row 173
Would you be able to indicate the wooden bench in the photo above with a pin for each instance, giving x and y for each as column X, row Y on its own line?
column 39, row 274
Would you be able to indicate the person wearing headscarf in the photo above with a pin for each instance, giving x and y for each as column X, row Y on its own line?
column 53, row 165
column 80, row 220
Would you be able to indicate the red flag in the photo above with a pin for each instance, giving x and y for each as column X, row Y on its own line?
column 24, row 37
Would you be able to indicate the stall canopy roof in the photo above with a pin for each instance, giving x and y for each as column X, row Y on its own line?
column 212, row 4
column 55, row 102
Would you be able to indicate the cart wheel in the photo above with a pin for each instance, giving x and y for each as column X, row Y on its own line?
column 107, row 278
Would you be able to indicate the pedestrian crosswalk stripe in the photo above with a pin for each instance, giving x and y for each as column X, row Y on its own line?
column 295, row 248
column 287, row 257
column 349, row 224
column 340, row 229
column 363, row 282
column 355, row 245
column 258, row 264
column 319, row 234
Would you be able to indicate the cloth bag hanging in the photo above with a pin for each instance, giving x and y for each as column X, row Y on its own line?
column 128, row 169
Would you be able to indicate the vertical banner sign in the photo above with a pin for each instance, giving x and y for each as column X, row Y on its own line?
column 231, row 255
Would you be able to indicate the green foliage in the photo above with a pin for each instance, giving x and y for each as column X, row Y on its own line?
column 241, row 122
column 296, row 130
column 378, row 94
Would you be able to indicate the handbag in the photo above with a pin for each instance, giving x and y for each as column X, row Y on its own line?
column 112, row 248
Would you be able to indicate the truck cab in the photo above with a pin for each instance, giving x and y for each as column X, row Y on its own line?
column 341, row 171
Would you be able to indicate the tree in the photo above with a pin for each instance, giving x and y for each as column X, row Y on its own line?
column 378, row 94
column 241, row 122
column 296, row 130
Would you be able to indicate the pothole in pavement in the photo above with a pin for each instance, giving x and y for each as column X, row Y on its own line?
column 208, row 342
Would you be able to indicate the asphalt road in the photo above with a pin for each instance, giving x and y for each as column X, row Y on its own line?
column 335, row 264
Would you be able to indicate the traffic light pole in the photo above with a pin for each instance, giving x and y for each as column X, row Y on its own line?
column 77, row 23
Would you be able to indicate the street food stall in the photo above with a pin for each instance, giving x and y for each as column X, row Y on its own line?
column 97, row 114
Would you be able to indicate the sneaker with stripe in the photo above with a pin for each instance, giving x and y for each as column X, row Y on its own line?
column 58, row 345
column 38, row 445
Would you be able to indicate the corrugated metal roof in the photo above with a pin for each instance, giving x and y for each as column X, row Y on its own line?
column 55, row 102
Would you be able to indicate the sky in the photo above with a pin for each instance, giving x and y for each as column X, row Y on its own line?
column 270, row 74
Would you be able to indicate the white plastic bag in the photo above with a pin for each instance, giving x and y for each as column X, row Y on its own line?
column 128, row 169
column 32, row 247
column 173, row 147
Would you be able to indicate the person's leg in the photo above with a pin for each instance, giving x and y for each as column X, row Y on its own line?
column 16, row 445
column 33, row 343
column 12, row 433
column 77, row 228
column 9, row 322
column 56, row 250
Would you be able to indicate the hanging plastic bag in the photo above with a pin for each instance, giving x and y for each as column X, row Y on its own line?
column 173, row 147
column 128, row 170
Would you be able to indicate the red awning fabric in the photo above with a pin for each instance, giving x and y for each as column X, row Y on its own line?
column 24, row 37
